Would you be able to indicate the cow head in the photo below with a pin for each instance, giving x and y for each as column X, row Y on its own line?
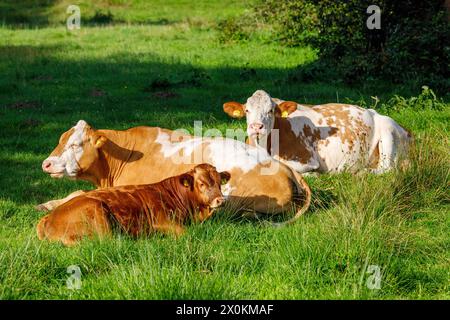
column 75, row 153
column 205, row 183
column 260, row 111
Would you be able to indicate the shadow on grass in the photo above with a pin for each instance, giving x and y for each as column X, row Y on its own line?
column 25, row 13
column 35, row 14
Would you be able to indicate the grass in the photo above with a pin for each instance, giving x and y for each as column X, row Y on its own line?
column 171, row 74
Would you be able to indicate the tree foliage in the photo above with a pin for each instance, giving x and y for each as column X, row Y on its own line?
column 413, row 41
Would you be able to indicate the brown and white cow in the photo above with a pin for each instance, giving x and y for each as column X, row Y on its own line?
column 136, row 210
column 322, row 138
column 144, row 155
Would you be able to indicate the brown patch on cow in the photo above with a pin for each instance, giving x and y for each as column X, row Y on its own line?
column 338, row 116
column 324, row 142
column 313, row 134
column 290, row 146
column 332, row 131
column 261, row 193
column 374, row 159
column 62, row 143
column 330, row 122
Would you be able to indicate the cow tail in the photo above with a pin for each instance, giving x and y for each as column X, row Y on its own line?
column 301, row 205
column 41, row 227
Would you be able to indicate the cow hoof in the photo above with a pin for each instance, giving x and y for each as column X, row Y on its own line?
column 41, row 207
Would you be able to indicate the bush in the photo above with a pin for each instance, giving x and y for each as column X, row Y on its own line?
column 294, row 21
column 101, row 17
column 242, row 28
column 413, row 41
column 233, row 29
column 427, row 100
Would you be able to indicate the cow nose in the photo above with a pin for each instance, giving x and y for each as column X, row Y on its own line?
column 46, row 165
column 217, row 202
column 256, row 126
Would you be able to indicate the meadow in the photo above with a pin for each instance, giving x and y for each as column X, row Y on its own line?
column 160, row 63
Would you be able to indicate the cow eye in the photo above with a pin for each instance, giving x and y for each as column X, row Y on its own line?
column 246, row 111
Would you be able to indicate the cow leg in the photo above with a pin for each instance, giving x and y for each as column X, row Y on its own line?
column 52, row 204
column 204, row 214
column 70, row 223
column 169, row 227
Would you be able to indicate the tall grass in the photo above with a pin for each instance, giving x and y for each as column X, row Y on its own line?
column 370, row 221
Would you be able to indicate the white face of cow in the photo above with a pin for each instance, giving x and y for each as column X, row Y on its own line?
column 260, row 114
column 76, row 150
column 260, row 111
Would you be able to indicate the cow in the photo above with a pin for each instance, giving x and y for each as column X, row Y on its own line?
column 143, row 155
column 330, row 137
column 164, row 206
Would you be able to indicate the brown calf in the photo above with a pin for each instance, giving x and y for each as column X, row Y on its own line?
column 163, row 206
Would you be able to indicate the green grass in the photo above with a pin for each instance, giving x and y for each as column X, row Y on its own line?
column 41, row 13
column 170, row 74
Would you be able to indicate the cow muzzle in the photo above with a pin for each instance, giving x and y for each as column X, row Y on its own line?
column 256, row 129
column 217, row 202
column 49, row 166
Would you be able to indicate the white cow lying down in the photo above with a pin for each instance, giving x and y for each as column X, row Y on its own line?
column 331, row 137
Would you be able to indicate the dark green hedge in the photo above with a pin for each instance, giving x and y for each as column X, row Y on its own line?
column 413, row 41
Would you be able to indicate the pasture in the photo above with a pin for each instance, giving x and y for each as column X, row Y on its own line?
column 161, row 64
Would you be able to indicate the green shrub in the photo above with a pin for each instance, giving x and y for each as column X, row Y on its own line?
column 232, row 29
column 102, row 17
column 294, row 21
column 242, row 28
column 427, row 100
column 24, row 13
column 412, row 44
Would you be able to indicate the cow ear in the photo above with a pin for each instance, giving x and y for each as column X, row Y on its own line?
column 284, row 109
column 225, row 176
column 234, row 109
column 98, row 141
column 187, row 180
